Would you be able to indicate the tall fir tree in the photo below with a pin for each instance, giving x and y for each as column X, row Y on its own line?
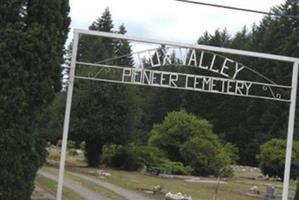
column 102, row 113
column 32, row 38
column 261, row 119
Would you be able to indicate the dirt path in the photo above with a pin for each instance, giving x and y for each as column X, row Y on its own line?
column 77, row 187
column 42, row 194
column 130, row 195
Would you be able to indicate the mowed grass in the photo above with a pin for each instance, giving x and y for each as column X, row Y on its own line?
column 235, row 189
column 135, row 181
column 102, row 191
column 51, row 186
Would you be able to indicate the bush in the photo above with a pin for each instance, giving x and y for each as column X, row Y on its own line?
column 207, row 158
column 272, row 158
column 71, row 144
column 120, row 157
column 132, row 157
column 188, row 139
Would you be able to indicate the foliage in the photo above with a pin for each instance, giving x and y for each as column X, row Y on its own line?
column 188, row 139
column 32, row 38
column 297, row 191
column 245, row 122
column 133, row 157
column 272, row 158
column 52, row 118
column 259, row 120
column 103, row 112
column 71, row 144
column 176, row 129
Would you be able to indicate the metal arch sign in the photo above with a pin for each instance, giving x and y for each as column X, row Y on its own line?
column 225, row 82
column 228, row 83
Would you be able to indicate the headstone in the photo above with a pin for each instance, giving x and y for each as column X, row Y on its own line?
column 168, row 172
column 269, row 193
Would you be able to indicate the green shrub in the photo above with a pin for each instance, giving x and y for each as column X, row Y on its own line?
column 272, row 158
column 190, row 140
column 132, row 157
column 71, row 144
column 120, row 157
column 208, row 158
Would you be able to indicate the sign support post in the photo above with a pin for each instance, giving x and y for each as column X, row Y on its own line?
column 67, row 116
column 287, row 169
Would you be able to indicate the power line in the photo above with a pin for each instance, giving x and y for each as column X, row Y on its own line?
column 239, row 9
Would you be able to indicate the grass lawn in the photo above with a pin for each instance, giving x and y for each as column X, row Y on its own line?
column 51, row 186
column 236, row 187
column 134, row 181
column 104, row 192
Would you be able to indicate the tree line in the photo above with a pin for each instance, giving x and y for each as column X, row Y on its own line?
column 109, row 114
column 130, row 112
column 112, row 117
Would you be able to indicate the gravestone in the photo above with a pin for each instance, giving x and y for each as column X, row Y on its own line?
column 269, row 193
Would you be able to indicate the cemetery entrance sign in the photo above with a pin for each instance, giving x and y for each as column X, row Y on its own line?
column 218, row 74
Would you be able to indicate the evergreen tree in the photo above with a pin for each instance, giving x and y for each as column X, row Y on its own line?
column 51, row 122
column 260, row 119
column 297, row 190
column 32, row 38
column 102, row 110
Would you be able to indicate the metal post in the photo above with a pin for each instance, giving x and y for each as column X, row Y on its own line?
column 287, row 168
column 67, row 116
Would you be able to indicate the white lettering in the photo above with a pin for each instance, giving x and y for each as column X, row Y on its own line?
column 212, row 65
column 157, row 55
column 247, row 86
column 200, row 61
column 172, row 79
column 206, row 82
column 162, row 79
column 126, row 73
column 146, row 77
column 229, row 87
column 166, row 59
column 224, row 67
column 237, row 70
column 239, row 87
column 136, row 76
column 187, row 81
column 196, row 81
column 213, row 85
column 193, row 58
column 154, row 78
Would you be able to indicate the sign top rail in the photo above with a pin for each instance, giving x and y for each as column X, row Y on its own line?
column 195, row 46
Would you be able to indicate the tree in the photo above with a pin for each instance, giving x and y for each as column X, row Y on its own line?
column 51, row 122
column 32, row 38
column 272, row 158
column 188, row 139
column 297, row 191
column 261, row 120
column 102, row 111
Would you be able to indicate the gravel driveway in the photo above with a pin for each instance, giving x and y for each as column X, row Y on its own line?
column 76, row 187
column 130, row 195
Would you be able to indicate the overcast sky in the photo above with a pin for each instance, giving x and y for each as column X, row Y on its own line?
column 169, row 19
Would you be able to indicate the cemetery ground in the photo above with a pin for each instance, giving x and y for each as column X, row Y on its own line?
column 120, row 185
